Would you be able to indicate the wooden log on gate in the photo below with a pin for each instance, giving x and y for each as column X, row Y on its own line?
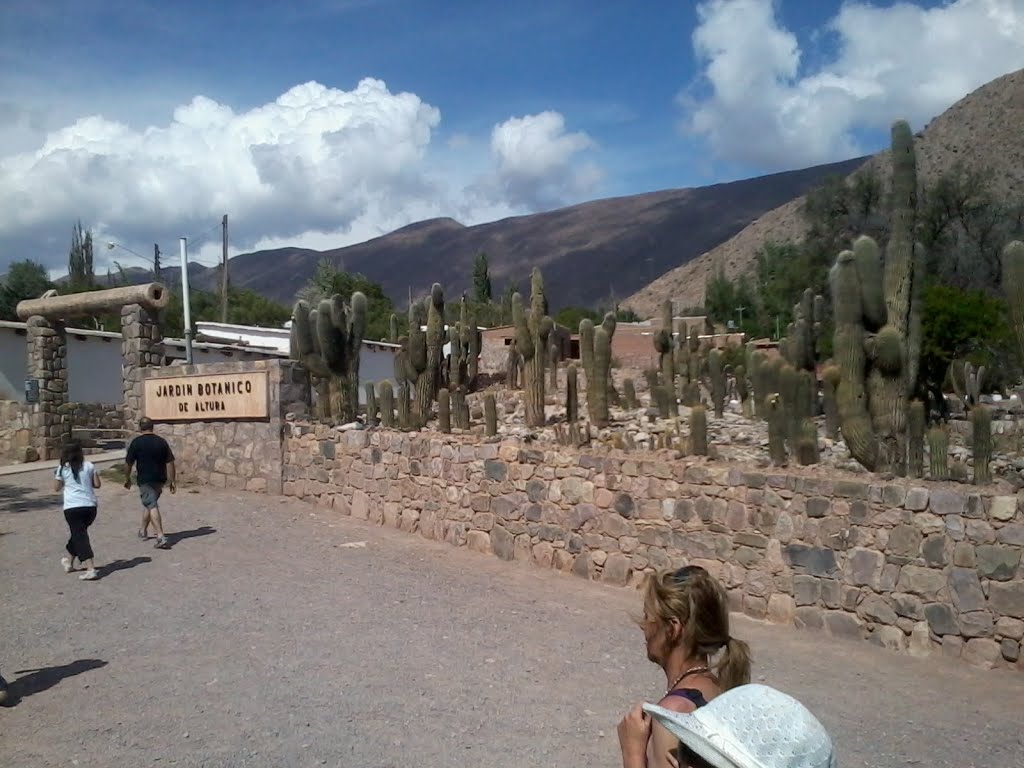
column 152, row 296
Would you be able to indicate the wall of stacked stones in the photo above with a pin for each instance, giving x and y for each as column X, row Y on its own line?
column 15, row 431
column 242, row 455
column 917, row 568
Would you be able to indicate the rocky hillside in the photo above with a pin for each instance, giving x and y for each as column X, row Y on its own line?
column 982, row 130
column 589, row 252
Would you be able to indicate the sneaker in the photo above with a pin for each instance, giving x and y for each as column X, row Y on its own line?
column 161, row 543
column 67, row 563
column 91, row 575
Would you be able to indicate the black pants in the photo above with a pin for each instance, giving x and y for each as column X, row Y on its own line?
column 79, row 519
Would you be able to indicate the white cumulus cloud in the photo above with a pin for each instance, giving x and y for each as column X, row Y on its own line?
column 535, row 161
column 769, row 110
column 317, row 167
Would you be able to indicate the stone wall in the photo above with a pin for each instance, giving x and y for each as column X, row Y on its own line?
column 236, row 454
column 16, row 432
column 96, row 425
column 919, row 568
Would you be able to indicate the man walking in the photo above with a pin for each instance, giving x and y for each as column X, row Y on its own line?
column 154, row 464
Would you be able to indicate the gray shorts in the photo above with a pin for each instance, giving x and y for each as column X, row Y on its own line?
column 150, row 494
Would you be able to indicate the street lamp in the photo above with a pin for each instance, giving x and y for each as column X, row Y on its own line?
column 155, row 260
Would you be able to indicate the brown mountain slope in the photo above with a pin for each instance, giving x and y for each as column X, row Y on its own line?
column 982, row 130
column 588, row 252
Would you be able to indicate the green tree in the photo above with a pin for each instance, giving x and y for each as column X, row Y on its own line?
column 481, row 280
column 80, row 261
column 25, row 280
column 962, row 325
column 570, row 317
column 328, row 280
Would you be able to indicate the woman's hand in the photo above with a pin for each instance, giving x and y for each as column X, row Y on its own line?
column 634, row 733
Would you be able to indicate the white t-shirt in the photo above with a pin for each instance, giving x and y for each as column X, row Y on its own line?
column 77, row 493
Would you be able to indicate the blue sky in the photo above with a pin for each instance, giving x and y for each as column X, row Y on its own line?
column 469, row 109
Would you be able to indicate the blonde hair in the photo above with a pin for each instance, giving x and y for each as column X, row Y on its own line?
column 694, row 598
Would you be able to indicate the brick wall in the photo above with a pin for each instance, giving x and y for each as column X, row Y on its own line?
column 918, row 568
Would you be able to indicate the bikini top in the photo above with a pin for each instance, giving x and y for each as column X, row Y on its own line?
column 692, row 694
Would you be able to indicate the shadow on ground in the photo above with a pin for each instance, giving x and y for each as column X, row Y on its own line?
column 35, row 681
column 174, row 538
column 123, row 565
column 16, row 498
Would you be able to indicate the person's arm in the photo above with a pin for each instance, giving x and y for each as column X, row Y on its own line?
column 129, row 460
column 634, row 733
column 58, row 481
column 96, row 482
column 171, row 476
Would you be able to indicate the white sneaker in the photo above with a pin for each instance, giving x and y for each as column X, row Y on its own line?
column 67, row 564
column 90, row 575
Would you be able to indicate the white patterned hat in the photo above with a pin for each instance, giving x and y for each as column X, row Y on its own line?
column 752, row 726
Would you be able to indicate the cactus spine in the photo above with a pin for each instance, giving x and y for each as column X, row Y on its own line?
column 532, row 331
column 444, row 416
column 572, row 397
column 629, row 394
column 777, row 431
column 664, row 346
column 938, row 453
column 387, row 405
column 490, row 415
column 915, row 438
column 371, row 405
column 807, row 442
column 717, row 377
column 881, row 307
column 981, row 443
column 339, row 329
column 699, row 430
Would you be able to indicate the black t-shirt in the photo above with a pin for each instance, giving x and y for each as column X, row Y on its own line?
column 150, row 454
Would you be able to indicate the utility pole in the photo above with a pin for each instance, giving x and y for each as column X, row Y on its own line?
column 740, row 310
column 156, row 261
column 186, row 304
column 224, row 271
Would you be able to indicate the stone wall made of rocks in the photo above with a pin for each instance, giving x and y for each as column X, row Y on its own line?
column 244, row 455
column 918, row 568
column 95, row 424
column 16, row 432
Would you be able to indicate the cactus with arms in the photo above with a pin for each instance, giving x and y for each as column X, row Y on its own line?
column 877, row 338
column 532, row 331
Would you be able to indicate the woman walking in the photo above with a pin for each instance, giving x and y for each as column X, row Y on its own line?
column 79, row 480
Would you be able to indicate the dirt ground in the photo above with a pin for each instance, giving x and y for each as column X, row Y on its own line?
column 261, row 639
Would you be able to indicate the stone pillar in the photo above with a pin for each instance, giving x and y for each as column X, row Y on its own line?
column 47, row 364
column 140, row 348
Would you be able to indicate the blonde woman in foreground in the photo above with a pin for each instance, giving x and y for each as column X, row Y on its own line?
column 686, row 629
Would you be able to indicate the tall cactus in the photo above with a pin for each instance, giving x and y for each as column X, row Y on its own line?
column 532, row 331
column 775, row 415
column 981, row 443
column 490, row 415
column 663, row 345
column 878, row 326
column 602, row 373
column 444, row 414
column 967, row 382
column 699, row 430
column 830, row 378
column 387, row 404
column 572, row 397
column 304, row 347
column 716, row 374
column 629, row 394
column 393, row 329
column 916, row 419
column 427, row 382
column 339, row 330
column 938, row 453
column 371, row 405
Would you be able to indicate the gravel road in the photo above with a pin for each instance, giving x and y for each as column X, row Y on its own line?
column 262, row 639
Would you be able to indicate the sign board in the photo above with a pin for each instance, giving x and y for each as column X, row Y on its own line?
column 31, row 391
column 203, row 397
